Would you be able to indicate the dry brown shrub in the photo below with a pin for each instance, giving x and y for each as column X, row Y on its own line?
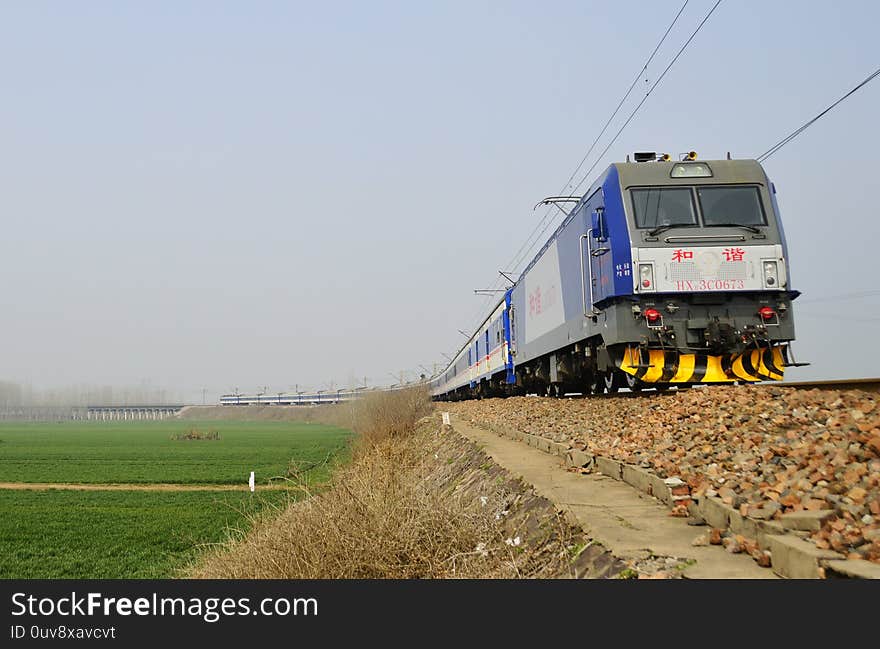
column 415, row 502
column 196, row 434
column 384, row 415
column 374, row 416
column 375, row 521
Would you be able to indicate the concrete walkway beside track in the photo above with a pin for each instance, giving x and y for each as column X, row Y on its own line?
column 630, row 524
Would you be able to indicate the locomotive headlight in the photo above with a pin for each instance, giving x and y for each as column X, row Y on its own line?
column 646, row 277
column 771, row 274
column 691, row 169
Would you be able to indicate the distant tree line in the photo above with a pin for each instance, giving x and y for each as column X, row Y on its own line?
column 16, row 395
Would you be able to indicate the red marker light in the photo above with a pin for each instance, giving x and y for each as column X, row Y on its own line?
column 766, row 313
column 652, row 315
column 646, row 283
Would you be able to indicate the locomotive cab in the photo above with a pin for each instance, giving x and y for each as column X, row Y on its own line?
column 710, row 278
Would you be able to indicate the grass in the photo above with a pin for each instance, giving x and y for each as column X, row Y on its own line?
column 143, row 534
column 116, row 534
column 144, row 452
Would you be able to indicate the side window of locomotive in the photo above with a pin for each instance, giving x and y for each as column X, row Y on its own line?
column 656, row 206
column 731, row 205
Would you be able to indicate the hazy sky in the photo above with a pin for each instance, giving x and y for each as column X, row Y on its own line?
column 219, row 195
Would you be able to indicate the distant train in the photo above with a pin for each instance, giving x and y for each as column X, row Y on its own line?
column 664, row 273
column 287, row 399
column 305, row 398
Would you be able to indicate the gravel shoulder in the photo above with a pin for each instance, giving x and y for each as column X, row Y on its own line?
column 763, row 450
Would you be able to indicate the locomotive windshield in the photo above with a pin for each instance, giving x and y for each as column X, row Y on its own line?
column 730, row 206
column 659, row 206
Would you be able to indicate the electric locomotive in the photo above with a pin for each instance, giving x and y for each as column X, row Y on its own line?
column 664, row 273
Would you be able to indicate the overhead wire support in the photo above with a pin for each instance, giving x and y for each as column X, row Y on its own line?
column 788, row 138
column 556, row 200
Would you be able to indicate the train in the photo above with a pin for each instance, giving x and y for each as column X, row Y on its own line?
column 293, row 399
column 666, row 273
column 311, row 398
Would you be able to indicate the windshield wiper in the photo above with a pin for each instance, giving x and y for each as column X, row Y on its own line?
column 750, row 228
column 664, row 228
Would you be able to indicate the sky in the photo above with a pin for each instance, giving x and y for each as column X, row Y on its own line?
column 211, row 196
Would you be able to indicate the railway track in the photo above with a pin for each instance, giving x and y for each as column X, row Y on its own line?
column 868, row 385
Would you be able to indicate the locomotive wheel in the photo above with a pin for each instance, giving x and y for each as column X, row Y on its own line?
column 595, row 385
column 634, row 384
column 555, row 390
column 612, row 381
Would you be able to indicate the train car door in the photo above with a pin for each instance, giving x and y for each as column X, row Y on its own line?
column 594, row 245
column 508, row 337
column 476, row 358
column 511, row 328
column 487, row 351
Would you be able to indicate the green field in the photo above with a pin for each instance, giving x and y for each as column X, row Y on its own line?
column 115, row 534
column 141, row 534
column 143, row 452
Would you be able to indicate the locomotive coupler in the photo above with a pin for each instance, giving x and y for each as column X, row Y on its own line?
column 666, row 335
column 754, row 335
column 719, row 335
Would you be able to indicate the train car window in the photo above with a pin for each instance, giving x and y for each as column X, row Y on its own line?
column 656, row 206
column 731, row 206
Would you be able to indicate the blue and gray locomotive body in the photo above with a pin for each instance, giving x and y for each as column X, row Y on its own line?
column 663, row 273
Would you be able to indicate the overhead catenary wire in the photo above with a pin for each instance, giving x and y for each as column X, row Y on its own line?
column 541, row 227
column 839, row 297
column 530, row 241
column 625, row 96
column 636, row 110
column 855, row 295
column 831, row 316
column 788, row 138
column 648, row 94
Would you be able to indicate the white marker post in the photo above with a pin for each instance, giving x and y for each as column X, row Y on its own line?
column 251, row 482
column 446, row 419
